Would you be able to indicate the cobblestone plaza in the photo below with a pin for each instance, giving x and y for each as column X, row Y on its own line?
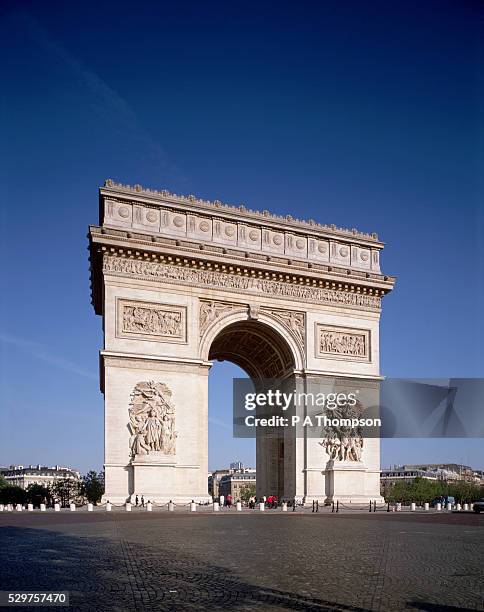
column 247, row 561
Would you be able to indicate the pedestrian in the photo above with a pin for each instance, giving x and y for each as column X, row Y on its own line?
column 142, row 501
column 137, row 500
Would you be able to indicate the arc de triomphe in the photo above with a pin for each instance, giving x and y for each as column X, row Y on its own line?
column 181, row 282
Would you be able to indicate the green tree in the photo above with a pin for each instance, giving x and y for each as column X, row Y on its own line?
column 464, row 491
column 247, row 492
column 65, row 490
column 93, row 486
column 11, row 494
column 37, row 493
column 422, row 490
column 3, row 481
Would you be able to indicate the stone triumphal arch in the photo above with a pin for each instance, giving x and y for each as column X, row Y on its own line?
column 181, row 282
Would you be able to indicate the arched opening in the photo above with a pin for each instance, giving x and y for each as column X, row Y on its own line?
column 263, row 353
column 255, row 347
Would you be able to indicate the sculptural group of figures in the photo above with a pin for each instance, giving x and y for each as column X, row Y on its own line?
column 342, row 344
column 344, row 442
column 151, row 321
column 152, row 420
column 344, row 448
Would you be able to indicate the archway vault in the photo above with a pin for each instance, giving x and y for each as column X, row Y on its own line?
column 262, row 347
column 255, row 348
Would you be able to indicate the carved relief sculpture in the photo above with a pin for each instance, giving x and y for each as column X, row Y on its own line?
column 151, row 321
column 294, row 321
column 210, row 311
column 343, row 343
column 343, row 443
column 157, row 320
column 152, row 420
column 231, row 282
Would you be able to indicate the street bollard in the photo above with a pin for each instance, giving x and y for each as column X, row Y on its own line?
column 284, row 506
column 90, row 507
column 171, row 506
column 438, row 506
column 426, row 506
column 108, row 507
column 222, row 500
column 216, row 507
column 238, row 506
column 193, row 506
column 262, row 506
column 388, row 507
column 399, row 507
column 30, row 507
column 449, row 506
column 458, row 507
column 42, row 507
column 56, row 508
column 149, row 507
column 128, row 507
column 412, row 507
column 72, row 507
column 466, row 507
column 19, row 508
column 337, row 505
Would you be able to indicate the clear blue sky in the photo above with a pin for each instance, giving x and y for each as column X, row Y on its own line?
column 362, row 114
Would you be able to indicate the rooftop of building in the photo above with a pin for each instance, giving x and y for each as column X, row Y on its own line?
column 37, row 468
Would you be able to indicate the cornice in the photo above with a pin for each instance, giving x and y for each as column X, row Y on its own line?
column 235, row 261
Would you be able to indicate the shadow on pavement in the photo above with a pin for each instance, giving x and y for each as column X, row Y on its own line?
column 105, row 574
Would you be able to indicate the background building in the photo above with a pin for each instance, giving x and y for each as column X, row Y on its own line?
column 232, row 484
column 236, row 468
column 214, row 482
column 449, row 472
column 21, row 476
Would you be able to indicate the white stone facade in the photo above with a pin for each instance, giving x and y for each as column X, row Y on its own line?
column 180, row 282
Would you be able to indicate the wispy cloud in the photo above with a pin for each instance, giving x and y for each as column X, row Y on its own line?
column 219, row 423
column 42, row 353
column 103, row 99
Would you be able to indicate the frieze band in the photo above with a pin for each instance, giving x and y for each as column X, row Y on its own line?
column 204, row 278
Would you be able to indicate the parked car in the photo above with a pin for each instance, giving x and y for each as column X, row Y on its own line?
column 478, row 506
column 443, row 499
